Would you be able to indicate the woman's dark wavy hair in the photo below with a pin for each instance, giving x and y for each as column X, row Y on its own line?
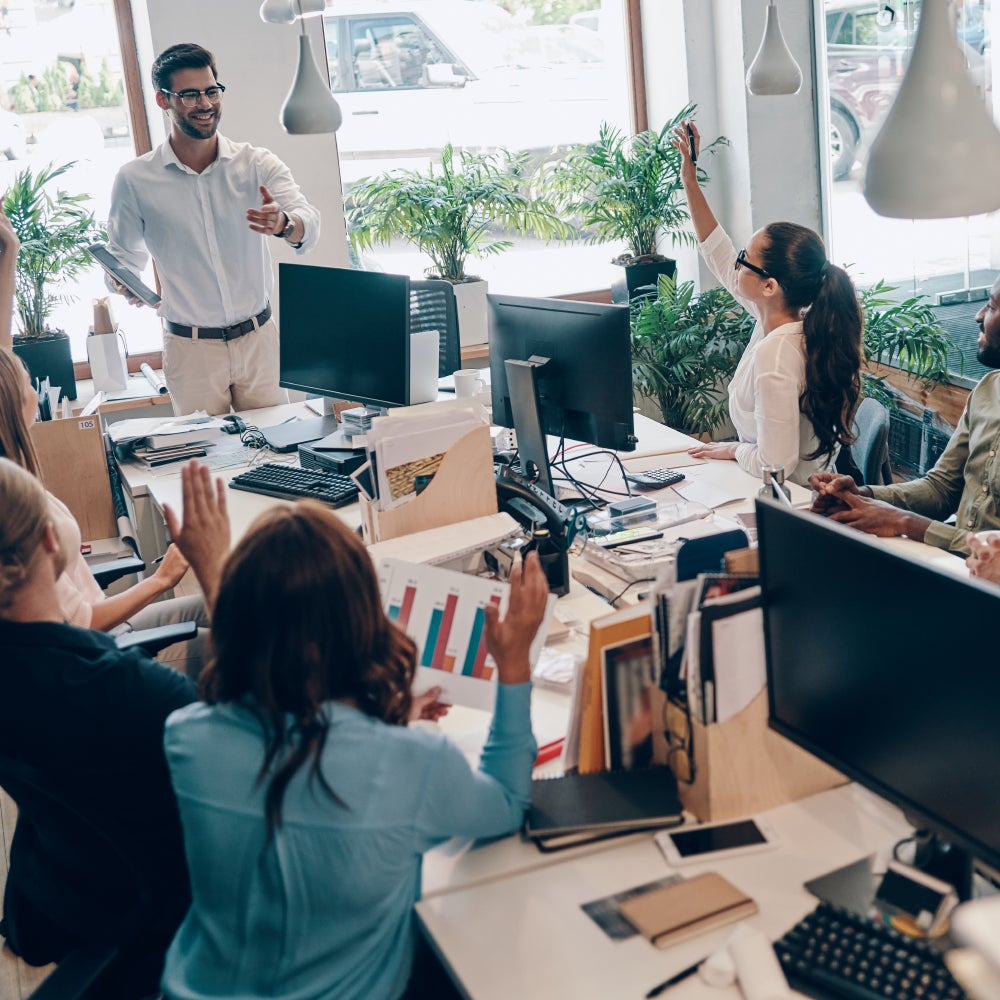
column 298, row 622
column 832, row 323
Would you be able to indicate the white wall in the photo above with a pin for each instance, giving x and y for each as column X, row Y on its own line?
column 256, row 62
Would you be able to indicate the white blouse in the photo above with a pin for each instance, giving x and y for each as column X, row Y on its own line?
column 765, row 389
column 77, row 589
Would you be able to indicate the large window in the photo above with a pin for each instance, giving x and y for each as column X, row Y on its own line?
column 62, row 99
column 522, row 74
column 864, row 52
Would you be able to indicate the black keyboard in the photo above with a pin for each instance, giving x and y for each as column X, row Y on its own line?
column 833, row 953
column 292, row 483
column 654, row 479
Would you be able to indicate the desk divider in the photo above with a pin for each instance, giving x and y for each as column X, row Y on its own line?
column 743, row 767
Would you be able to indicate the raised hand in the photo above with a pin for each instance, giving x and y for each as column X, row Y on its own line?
column 509, row 639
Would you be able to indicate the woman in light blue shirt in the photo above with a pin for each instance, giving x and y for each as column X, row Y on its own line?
column 306, row 801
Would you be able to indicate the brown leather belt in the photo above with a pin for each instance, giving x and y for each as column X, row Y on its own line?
column 220, row 333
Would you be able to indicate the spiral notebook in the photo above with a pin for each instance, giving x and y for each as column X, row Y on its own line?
column 575, row 807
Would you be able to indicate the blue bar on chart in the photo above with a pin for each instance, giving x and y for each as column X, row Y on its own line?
column 432, row 635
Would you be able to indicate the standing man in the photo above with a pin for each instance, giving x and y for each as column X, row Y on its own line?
column 203, row 206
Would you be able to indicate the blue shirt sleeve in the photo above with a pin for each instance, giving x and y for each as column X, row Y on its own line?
column 490, row 802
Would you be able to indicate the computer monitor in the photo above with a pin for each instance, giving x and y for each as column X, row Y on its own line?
column 886, row 668
column 585, row 388
column 345, row 333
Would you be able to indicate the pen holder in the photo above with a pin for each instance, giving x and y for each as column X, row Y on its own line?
column 742, row 767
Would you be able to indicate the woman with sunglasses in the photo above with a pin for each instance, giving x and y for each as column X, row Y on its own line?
column 793, row 395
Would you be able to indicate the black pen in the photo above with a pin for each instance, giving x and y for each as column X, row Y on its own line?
column 673, row 980
column 694, row 154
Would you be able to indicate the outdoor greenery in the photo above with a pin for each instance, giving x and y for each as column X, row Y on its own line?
column 627, row 188
column 53, row 91
column 547, row 11
column 685, row 349
column 903, row 334
column 451, row 210
column 54, row 230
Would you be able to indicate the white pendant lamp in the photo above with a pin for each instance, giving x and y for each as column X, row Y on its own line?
column 310, row 106
column 773, row 70
column 284, row 11
column 938, row 154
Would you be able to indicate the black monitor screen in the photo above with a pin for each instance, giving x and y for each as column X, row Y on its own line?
column 345, row 333
column 585, row 389
column 886, row 668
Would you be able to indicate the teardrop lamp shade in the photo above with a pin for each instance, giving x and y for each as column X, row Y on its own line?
column 278, row 11
column 773, row 70
column 310, row 8
column 938, row 154
column 310, row 106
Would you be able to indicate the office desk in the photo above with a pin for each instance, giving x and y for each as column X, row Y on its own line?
column 525, row 935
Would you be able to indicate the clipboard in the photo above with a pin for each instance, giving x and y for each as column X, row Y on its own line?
column 122, row 274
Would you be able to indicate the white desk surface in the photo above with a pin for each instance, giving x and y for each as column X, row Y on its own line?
column 525, row 935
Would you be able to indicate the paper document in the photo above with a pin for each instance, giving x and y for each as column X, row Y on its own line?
column 710, row 494
column 738, row 647
column 444, row 613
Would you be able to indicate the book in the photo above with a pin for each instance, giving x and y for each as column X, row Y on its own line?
column 611, row 630
column 627, row 683
column 672, row 914
column 602, row 803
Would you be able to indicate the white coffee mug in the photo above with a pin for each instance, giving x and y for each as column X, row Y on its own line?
column 468, row 382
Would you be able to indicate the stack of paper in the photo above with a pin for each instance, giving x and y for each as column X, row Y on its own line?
column 155, row 441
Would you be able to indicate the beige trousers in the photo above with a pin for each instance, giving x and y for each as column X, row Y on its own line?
column 219, row 375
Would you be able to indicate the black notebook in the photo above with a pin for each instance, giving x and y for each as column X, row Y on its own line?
column 603, row 803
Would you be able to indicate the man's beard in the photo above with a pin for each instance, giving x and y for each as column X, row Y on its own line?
column 989, row 354
column 192, row 131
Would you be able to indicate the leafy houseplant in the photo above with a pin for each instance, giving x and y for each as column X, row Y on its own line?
column 54, row 230
column 628, row 189
column 903, row 334
column 448, row 212
column 685, row 349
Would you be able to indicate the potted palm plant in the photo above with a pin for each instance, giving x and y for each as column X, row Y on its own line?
column 685, row 349
column 450, row 212
column 627, row 189
column 54, row 230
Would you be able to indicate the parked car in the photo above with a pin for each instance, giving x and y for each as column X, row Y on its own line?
column 867, row 50
column 411, row 76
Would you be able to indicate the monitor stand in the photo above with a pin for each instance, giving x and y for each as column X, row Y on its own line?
column 532, row 448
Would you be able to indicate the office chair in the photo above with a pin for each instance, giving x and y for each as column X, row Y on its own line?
column 64, row 840
column 867, row 460
column 433, row 307
column 152, row 640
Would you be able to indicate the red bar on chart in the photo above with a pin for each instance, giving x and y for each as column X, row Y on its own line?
column 451, row 602
column 407, row 607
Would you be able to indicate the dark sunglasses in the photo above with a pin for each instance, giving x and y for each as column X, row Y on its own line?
column 741, row 261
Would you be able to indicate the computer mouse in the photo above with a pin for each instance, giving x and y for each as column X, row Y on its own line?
column 233, row 424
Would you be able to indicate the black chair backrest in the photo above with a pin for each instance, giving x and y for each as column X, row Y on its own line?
column 57, row 847
column 433, row 307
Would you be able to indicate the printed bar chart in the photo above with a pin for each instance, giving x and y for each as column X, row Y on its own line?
column 401, row 612
column 475, row 659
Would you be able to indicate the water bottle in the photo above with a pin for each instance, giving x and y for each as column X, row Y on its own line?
column 773, row 477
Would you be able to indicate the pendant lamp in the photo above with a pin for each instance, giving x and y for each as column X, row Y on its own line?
column 284, row 11
column 937, row 155
column 773, row 70
column 310, row 107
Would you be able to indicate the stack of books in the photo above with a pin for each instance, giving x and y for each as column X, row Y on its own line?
column 160, row 449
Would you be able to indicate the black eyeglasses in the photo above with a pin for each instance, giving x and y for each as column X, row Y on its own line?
column 190, row 98
column 741, row 261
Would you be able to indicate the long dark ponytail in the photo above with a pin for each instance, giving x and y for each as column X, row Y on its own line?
column 832, row 325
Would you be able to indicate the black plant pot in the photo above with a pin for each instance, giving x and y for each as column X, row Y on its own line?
column 639, row 276
column 49, row 357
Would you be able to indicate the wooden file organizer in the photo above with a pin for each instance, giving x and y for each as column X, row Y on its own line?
column 75, row 469
column 743, row 767
column 463, row 487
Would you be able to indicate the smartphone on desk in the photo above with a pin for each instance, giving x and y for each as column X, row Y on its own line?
column 712, row 841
